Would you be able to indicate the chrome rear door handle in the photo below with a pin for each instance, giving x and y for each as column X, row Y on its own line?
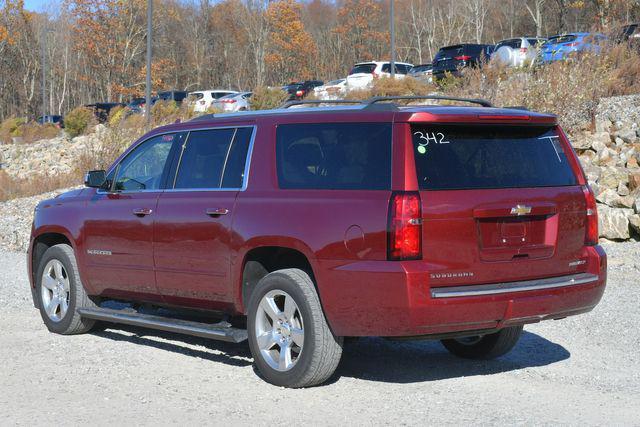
column 216, row 211
column 142, row 211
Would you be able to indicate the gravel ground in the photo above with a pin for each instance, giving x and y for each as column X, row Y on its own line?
column 579, row 371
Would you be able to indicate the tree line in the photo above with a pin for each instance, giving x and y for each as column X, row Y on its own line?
column 94, row 50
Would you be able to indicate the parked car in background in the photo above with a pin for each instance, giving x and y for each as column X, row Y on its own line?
column 517, row 52
column 102, row 109
column 203, row 99
column 137, row 105
column 298, row 90
column 331, row 90
column 629, row 34
column 453, row 59
column 561, row 47
column 172, row 95
column 55, row 120
column 238, row 101
column 422, row 72
column 362, row 74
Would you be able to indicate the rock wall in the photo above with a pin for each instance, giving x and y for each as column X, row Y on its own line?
column 610, row 157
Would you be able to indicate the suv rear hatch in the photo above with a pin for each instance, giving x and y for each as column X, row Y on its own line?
column 499, row 203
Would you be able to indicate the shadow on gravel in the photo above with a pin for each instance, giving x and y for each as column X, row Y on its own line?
column 229, row 353
column 377, row 359
column 371, row 359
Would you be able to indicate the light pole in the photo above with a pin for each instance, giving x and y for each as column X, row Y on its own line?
column 148, row 81
column 393, row 38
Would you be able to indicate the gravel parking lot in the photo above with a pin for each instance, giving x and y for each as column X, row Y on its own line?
column 581, row 370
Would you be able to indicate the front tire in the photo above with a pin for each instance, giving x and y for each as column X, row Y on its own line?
column 487, row 346
column 60, row 292
column 289, row 337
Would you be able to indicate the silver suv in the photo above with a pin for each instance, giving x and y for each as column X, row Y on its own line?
column 517, row 52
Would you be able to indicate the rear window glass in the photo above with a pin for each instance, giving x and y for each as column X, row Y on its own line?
column 561, row 39
column 363, row 68
column 349, row 156
column 474, row 157
column 514, row 44
column 450, row 52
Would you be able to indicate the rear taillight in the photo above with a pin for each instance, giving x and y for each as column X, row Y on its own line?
column 300, row 93
column 228, row 101
column 523, row 50
column 574, row 44
column 591, row 232
column 404, row 227
column 462, row 58
column 375, row 75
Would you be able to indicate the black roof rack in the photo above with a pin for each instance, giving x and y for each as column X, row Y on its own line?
column 320, row 101
column 377, row 99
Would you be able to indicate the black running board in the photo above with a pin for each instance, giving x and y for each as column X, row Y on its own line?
column 221, row 331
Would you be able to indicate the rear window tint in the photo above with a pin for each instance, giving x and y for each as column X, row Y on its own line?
column 474, row 157
column 349, row 156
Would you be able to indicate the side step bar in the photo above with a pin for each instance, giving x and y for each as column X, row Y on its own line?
column 222, row 331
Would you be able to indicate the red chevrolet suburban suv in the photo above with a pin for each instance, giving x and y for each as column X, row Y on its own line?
column 297, row 227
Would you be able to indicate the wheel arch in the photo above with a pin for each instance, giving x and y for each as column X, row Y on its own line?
column 260, row 260
column 42, row 241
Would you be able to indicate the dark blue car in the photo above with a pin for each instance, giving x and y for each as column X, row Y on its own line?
column 560, row 47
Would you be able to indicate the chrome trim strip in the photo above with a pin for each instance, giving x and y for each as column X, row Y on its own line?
column 507, row 287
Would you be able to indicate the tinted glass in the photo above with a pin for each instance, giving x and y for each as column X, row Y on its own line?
column 514, row 44
column 561, row 39
column 334, row 156
column 203, row 159
column 235, row 167
column 449, row 52
column 363, row 68
column 142, row 168
column 454, row 157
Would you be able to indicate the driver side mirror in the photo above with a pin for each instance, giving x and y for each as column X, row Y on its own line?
column 95, row 179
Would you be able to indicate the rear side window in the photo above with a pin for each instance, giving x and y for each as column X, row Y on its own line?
column 349, row 156
column 475, row 157
column 363, row 68
column 214, row 158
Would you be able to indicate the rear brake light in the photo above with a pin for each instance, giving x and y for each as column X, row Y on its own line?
column 591, row 232
column 523, row 50
column 462, row 58
column 405, row 227
column 228, row 101
column 375, row 75
column 574, row 44
column 299, row 93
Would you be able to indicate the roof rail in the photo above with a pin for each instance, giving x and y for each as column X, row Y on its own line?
column 376, row 99
column 321, row 101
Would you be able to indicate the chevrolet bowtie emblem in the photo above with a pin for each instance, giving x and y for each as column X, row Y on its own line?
column 520, row 210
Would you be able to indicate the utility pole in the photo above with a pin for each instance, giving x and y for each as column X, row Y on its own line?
column 147, row 104
column 393, row 38
column 44, row 73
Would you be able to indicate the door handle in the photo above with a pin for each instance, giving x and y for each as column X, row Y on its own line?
column 142, row 211
column 216, row 211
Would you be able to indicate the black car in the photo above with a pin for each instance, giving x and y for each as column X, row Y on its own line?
column 173, row 95
column 51, row 119
column 102, row 109
column 422, row 72
column 452, row 59
column 299, row 90
column 629, row 34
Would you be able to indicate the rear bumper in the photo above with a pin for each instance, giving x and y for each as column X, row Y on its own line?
column 395, row 299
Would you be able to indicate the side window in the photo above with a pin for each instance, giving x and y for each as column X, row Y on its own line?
column 234, row 169
column 142, row 169
column 353, row 156
column 203, row 159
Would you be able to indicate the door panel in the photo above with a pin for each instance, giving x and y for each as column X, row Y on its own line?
column 192, row 247
column 119, row 244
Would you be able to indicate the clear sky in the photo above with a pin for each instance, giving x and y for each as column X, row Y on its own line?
column 38, row 5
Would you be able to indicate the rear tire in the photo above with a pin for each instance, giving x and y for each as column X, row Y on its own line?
column 289, row 337
column 486, row 346
column 60, row 292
